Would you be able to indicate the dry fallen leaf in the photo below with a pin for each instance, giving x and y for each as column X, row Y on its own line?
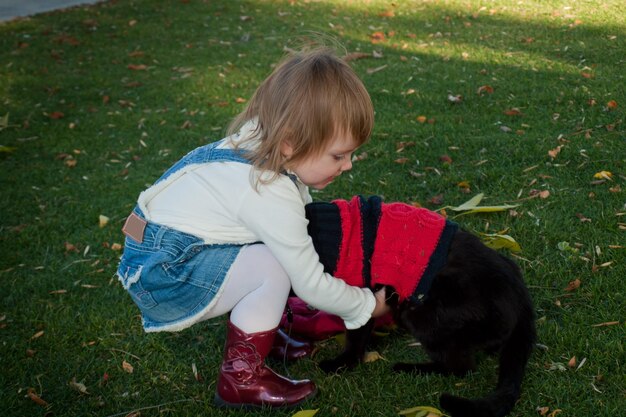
column 78, row 386
column 582, row 218
column 572, row 362
column 464, row 186
column 196, row 375
column 554, row 152
column 605, row 324
column 573, row 285
column 445, row 159
column 485, row 89
column 541, row 194
column 356, row 55
column 359, row 157
column 456, row 99
column 127, row 367
column 543, row 410
column 37, row 335
column 377, row 37
column 32, row 394
column 513, row 112
column 70, row 247
column 401, row 146
column 374, row 70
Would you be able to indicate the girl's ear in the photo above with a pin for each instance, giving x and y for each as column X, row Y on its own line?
column 286, row 149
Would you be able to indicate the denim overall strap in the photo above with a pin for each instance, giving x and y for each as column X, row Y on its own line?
column 199, row 156
column 204, row 154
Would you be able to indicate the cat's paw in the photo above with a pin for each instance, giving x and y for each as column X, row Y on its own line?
column 404, row 367
column 331, row 366
column 343, row 362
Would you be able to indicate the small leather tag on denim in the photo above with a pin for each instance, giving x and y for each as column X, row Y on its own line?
column 134, row 227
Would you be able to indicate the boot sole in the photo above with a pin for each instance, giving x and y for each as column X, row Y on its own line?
column 220, row 403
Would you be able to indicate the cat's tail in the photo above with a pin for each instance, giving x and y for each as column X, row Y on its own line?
column 513, row 359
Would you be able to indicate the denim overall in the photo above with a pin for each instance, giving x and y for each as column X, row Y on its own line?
column 173, row 276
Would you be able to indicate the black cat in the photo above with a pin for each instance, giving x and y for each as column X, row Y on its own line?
column 470, row 298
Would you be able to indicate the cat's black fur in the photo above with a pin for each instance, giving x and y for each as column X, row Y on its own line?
column 478, row 302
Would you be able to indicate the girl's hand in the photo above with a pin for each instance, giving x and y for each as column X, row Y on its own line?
column 381, row 306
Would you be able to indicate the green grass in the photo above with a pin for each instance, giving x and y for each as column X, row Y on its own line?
column 122, row 127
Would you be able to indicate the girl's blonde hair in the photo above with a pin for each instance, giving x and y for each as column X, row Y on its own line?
column 308, row 98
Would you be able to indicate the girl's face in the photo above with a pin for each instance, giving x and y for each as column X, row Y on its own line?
column 318, row 171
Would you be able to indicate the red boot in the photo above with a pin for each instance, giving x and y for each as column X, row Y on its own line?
column 287, row 348
column 245, row 381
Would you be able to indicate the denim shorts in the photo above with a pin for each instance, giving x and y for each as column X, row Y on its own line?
column 173, row 276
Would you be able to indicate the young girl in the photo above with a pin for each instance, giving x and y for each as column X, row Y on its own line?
column 224, row 229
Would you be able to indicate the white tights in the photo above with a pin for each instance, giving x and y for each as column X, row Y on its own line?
column 256, row 291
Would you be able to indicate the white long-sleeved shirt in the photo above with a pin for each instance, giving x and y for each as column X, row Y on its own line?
column 218, row 203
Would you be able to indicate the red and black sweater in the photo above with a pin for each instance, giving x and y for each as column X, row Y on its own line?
column 366, row 242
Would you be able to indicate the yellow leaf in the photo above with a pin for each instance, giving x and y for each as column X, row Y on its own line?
column 469, row 204
column 372, row 357
column 496, row 241
column 603, row 175
column 489, row 209
column 341, row 339
column 4, row 121
column 7, row 149
column 306, row 413
column 417, row 411
column 103, row 220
